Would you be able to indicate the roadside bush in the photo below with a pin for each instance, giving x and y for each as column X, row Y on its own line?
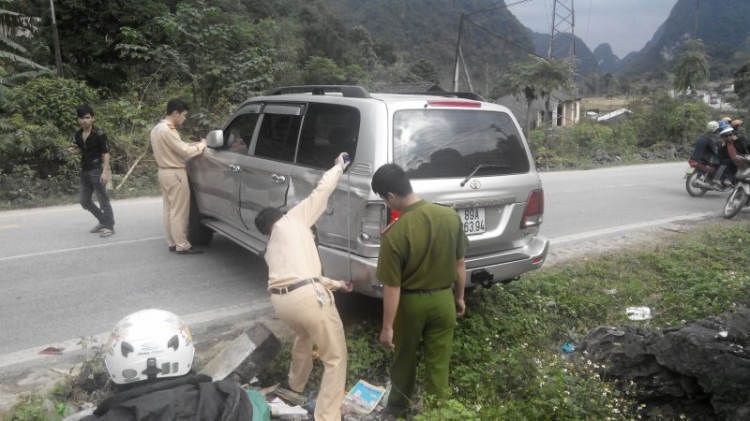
column 660, row 119
column 49, row 100
column 590, row 137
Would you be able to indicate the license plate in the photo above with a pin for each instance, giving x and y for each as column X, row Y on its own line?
column 689, row 170
column 472, row 220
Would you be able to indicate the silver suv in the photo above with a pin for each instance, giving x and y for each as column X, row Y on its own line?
column 457, row 150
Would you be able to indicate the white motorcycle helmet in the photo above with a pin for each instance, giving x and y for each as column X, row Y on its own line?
column 149, row 344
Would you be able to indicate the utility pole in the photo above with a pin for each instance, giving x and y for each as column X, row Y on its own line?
column 56, row 40
column 458, row 51
column 695, row 27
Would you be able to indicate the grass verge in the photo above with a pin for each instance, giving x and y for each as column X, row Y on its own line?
column 507, row 361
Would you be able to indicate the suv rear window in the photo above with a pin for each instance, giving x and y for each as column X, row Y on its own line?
column 453, row 143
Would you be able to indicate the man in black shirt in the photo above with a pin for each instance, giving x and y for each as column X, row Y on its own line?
column 91, row 143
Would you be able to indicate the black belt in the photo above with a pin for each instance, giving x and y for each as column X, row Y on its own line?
column 292, row 287
column 422, row 291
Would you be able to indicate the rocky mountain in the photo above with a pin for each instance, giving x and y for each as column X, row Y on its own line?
column 587, row 62
column 722, row 25
column 607, row 60
column 427, row 30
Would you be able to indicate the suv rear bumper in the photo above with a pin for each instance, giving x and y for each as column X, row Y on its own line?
column 515, row 263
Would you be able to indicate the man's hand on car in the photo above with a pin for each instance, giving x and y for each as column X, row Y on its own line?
column 346, row 286
column 340, row 160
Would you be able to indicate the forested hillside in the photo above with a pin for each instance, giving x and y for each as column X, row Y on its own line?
column 722, row 25
column 427, row 30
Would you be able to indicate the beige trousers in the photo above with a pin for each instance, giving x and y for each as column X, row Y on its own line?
column 319, row 325
column 175, row 193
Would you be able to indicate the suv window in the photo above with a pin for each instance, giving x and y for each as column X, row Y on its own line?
column 239, row 133
column 327, row 131
column 452, row 143
column 278, row 134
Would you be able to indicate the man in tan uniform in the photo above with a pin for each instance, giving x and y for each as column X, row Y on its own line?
column 170, row 153
column 302, row 297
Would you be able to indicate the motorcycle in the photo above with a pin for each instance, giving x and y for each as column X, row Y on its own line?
column 740, row 196
column 698, row 179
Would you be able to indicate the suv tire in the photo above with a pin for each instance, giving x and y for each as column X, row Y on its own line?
column 198, row 234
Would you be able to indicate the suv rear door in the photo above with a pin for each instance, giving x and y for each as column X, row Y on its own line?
column 441, row 147
column 266, row 173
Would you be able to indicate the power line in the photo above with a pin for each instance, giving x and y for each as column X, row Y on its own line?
column 512, row 44
column 501, row 37
column 504, row 6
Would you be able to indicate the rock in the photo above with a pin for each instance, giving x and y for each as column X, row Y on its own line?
column 245, row 356
column 701, row 368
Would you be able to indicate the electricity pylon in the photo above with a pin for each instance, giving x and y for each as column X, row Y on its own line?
column 563, row 21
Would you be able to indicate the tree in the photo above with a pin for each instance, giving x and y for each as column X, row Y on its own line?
column 13, row 55
column 90, row 31
column 517, row 86
column 223, row 58
column 323, row 71
column 691, row 69
column 543, row 77
column 742, row 84
column 424, row 70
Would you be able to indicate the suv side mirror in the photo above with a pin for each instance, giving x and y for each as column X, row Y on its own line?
column 215, row 139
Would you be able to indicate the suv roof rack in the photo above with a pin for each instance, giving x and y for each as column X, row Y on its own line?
column 462, row 95
column 347, row 91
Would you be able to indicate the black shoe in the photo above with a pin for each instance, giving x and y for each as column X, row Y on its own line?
column 191, row 250
column 172, row 248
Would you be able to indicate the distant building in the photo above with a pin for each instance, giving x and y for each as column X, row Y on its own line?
column 565, row 110
column 615, row 116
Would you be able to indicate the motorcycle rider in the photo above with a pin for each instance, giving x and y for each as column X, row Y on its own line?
column 149, row 357
column 729, row 150
column 706, row 149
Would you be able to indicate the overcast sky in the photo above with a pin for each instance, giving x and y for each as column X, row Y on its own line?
column 627, row 25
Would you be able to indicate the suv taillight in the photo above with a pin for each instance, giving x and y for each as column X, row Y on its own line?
column 534, row 211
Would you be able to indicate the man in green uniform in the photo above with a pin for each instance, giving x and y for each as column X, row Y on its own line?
column 421, row 256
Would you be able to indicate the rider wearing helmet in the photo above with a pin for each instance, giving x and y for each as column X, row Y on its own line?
column 149, row 356
column 729, row 150
column 706, row 150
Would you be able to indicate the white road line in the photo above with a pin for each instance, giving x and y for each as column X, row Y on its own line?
column 622, row 228
column 72, row 345
column 47, row 253
column 616, row 186
column 71, row 208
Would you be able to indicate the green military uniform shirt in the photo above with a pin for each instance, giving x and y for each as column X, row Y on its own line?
column 419, row 250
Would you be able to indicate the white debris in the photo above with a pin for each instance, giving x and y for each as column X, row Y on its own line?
column 638, row 313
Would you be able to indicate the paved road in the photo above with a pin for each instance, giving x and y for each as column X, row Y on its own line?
column 60, row 283
column 580, row 204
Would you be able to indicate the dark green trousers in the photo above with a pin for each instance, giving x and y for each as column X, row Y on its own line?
column 427, row 319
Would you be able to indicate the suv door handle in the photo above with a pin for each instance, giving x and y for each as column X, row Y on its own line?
column 278, row 178
column 234, row 168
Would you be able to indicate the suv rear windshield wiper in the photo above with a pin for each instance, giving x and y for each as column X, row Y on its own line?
column 479, row 167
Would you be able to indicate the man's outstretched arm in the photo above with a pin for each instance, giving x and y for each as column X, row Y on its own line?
column 310, row 209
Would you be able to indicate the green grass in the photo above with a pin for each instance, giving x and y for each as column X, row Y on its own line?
column 507, row 362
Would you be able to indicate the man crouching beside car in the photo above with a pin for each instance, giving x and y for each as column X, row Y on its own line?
column 302, row 297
